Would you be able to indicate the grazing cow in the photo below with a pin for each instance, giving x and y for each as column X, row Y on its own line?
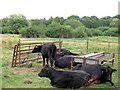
column 64, row 62
column 102, row 73
column 48, row 51
column 65, row 79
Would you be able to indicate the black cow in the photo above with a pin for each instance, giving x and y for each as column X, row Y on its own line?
column 48, row 51
column 66, row 52
column 63, row 52
column 102, row 73
column 65, row 79
column 64, row 62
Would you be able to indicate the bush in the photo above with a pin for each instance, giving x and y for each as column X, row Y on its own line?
column 80, row 32
column 103, row 28
column 96, row 32
column 111, row 32
column 30, row 32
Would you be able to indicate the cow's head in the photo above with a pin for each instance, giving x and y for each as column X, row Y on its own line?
column 107, row 73
column 37, row 48
column 77, row 67
column 45, row 71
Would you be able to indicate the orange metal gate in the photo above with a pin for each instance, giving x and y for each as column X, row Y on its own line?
column 23, row 52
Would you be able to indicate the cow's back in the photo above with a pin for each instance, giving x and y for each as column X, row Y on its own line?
column 92, row 69
column 64, row 62
column 49, row 50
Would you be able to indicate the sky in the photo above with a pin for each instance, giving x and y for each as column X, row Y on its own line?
column 33, row 9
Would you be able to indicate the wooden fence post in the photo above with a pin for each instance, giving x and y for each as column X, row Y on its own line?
column 87, row 45
column 59, row 45
column 71, row 63
column 113, row 59
column 108, row 46
column 19, row 50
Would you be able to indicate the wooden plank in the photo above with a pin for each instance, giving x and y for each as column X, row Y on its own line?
column 25, row 50
column 38, row 43
column 89, row 55
column 92, row 54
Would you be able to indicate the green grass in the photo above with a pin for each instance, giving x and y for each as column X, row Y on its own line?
column 16, row 76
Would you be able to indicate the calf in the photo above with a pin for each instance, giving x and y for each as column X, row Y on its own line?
column 48, row 51
column 102, row 73
column 65, row 79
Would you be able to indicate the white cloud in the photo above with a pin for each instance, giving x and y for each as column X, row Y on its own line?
column 65, row 8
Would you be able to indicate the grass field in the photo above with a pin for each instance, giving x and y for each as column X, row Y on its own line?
column 15, row 77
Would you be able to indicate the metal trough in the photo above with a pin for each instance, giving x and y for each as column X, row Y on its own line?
column 93, row 58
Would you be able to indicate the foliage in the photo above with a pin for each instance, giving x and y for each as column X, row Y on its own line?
column 73, row 26
column 111, row 32
column 73, row 23
column 80, row 32
column 90, row 22
column 105, row 21
column 13, row 23
column 31, row 32
column 114, row 22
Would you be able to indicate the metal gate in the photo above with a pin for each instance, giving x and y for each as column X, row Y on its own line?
column 23, row 52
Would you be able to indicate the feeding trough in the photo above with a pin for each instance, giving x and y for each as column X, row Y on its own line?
column 93, row 58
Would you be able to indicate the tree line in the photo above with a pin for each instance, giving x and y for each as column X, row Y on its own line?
column 73, row 26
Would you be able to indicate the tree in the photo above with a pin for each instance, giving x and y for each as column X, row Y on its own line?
column 13, row 23
column 73, row 23
column 59, row 20
column 66, row 31
column 90, row 22
column 105, row 21
column 53, row 30
column 75, row 17
column 103, row 28
column 111, row 32
column 30, row 32
column 80, row 32
column 114, row 22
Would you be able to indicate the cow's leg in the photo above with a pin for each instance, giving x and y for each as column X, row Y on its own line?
column 43, row 61
column 51, row 62
column 47, row 61
column 113, row 85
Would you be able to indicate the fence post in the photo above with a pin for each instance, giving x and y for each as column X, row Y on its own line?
column 71, row 63
column 14, row 56
column 113, row 59
column 87, row 45
column 59, row 45
column 108, row 46
column 84, row 60
column 19, row 50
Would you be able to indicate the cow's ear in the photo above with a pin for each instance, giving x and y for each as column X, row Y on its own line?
column 114, row 70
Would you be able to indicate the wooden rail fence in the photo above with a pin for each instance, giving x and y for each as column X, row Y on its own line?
column 23, row 51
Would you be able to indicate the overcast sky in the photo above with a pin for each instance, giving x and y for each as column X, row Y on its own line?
column 63, row 8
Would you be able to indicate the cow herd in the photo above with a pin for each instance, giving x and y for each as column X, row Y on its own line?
column 82, row 75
